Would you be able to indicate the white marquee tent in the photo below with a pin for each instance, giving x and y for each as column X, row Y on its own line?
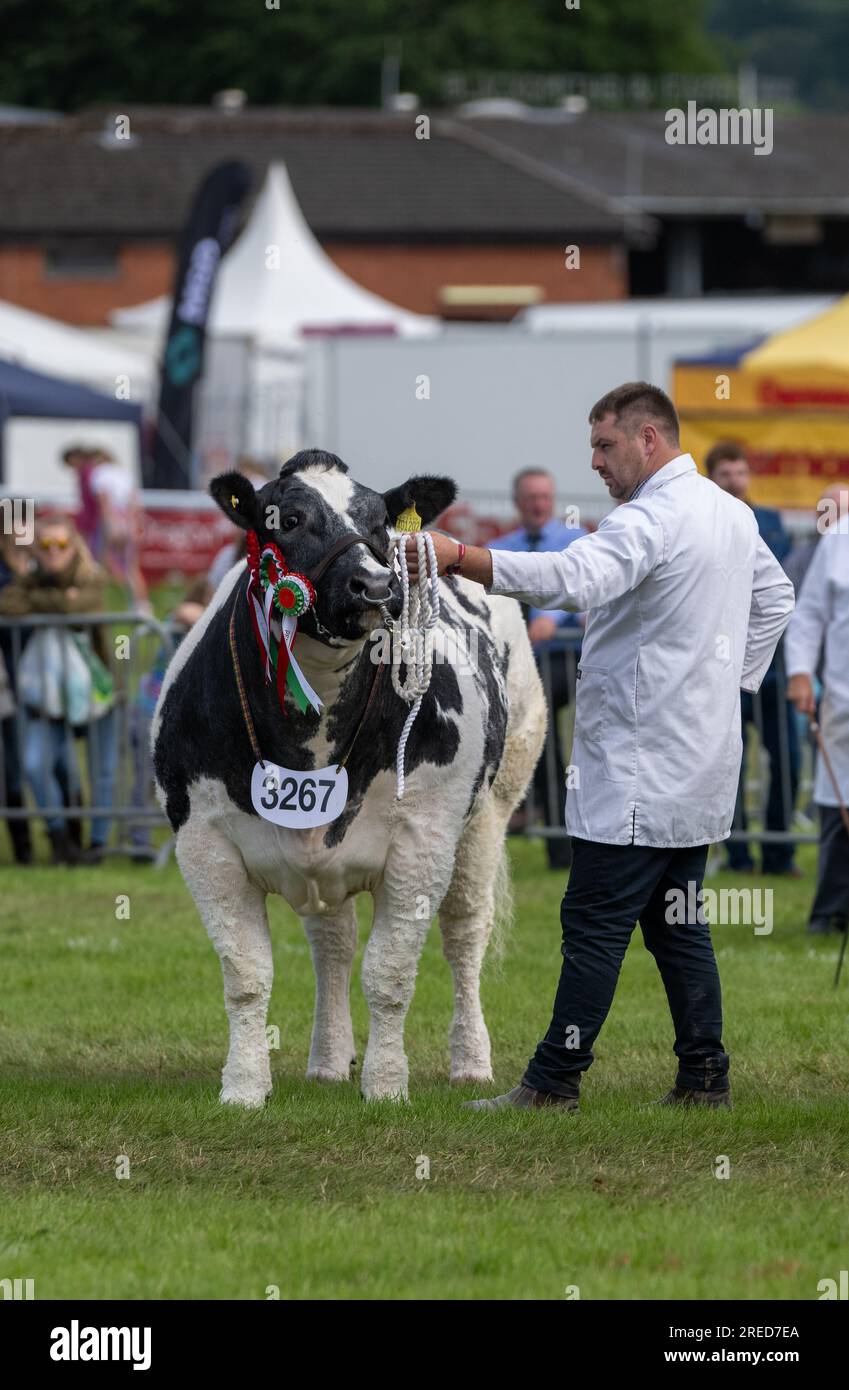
column 275, row 289
column 74, row 354
column 276, row 283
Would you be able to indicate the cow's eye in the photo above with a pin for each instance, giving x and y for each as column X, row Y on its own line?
column 289, row 523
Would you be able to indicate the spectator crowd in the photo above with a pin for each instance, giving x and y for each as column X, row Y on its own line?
column 59, row 697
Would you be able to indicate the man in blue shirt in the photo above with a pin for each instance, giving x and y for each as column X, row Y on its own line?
column 726, row 465
column 534, row 499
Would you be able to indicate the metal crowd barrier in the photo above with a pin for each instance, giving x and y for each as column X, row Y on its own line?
column 557, row 661
column 774, row 807
column 775, row 799
column 100, row 766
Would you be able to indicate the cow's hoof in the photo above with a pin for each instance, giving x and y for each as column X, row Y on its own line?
column 327, row 1074
column 480, row 1076
column 397, row 1093
column 248, row 1100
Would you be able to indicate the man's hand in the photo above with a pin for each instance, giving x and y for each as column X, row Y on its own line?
column 542, row 628
column 445, row 549
column 477, row 562
column 800, row 692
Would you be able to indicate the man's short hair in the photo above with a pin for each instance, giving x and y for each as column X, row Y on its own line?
column 723, row 452
column 639, row 399
column 530, row 473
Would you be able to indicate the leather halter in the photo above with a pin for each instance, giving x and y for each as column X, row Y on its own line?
column 345, row 543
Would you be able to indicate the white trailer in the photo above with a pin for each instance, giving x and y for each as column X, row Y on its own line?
column 481, row 402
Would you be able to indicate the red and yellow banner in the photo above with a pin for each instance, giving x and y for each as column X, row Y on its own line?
column 786, row 402
column 794, row 429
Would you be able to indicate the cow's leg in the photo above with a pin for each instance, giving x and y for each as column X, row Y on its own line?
column 417, row 874
column 333, row 942
column 465, row 921
column 233, row 912
column 479, row 893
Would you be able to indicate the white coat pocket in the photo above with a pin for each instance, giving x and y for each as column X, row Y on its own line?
column 591, row 703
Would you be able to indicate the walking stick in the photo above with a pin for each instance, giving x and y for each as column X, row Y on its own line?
column 844, row 814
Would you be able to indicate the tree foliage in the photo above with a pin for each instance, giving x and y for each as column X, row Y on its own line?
column 72, row 53
column 804, row 40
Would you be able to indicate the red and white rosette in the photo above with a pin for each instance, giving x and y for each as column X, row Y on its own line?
column 273, row 585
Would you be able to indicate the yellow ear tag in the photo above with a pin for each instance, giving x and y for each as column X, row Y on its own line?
column 409, row 520
column 234, row 502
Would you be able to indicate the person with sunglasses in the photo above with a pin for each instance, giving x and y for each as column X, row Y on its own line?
column 64, row 579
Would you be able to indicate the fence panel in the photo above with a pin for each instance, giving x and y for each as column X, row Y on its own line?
column 75, row 750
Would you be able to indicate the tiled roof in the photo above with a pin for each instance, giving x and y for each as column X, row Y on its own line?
column 356, row 174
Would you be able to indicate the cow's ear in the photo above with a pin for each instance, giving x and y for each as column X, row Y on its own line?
column 237, row 499
column 429, row 495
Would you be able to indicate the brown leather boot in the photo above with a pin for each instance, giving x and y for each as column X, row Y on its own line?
column 524, row 1098
column 679, row 1095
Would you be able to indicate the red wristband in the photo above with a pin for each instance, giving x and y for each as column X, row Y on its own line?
column 455, row 568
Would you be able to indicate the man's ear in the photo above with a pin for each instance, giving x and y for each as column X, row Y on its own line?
column 429, row 495
column 237, row 499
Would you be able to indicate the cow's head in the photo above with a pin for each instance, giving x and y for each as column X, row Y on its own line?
column 311, row 506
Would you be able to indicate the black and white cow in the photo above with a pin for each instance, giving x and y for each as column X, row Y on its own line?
column 440, row 848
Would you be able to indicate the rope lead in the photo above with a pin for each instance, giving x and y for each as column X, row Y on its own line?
column 419, row 616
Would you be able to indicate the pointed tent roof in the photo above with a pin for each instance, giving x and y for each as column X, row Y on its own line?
column 818, row 344
column 276, row 306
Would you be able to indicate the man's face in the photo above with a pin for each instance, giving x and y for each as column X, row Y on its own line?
column 732, row 475
column 619, row 455
column 535, row 501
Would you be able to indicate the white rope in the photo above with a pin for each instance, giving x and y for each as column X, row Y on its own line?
column 419, row 616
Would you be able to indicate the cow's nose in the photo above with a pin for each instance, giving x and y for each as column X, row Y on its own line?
column 371, row 588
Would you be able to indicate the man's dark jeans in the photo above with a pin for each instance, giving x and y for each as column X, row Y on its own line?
column 831, row 902
column 611, row 888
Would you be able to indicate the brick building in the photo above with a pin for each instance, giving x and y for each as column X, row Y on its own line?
column 474, row 222
column 446, row 225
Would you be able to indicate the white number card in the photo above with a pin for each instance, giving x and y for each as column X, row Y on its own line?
column 298, row 800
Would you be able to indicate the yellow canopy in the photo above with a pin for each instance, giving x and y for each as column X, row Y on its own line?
column 821, row 344
column 786, row 402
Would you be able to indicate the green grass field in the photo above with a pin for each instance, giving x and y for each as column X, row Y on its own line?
column 112, row 1035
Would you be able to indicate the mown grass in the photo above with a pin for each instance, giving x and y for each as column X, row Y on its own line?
column 112, row 1034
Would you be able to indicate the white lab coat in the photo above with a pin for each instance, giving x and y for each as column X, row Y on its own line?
column 821, row 621
column 685, row 605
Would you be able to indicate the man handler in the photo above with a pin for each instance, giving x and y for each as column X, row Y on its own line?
column 685, row 606
column 820, row 627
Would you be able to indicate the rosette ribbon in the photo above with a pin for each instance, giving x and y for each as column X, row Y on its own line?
column 273, row 586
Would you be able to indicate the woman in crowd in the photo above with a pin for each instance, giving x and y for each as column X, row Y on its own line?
column 64, row 685
column 119, row 525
